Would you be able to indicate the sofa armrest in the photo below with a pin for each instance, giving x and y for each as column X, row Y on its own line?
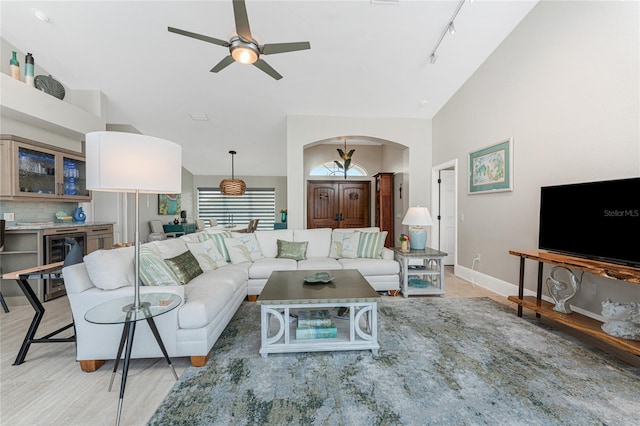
column 387, row 254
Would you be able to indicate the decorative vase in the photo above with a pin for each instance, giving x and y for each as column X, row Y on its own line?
column 14, row 66
column 79, row 216
column 28, row 70
column 404, row 246
column 283, row 217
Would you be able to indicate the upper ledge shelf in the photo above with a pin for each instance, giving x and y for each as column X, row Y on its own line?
column 29, row 105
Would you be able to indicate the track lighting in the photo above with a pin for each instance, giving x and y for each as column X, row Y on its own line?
column 449, row 28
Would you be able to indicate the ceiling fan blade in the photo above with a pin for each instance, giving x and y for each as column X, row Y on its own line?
column 270, row 49
column 199, row 37
column 267, row 68
column 228, row 60
column 242, row 20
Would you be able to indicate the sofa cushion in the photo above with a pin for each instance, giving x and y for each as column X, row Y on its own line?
column 171, row 247
column 344, row 245
column 243, row 248
column 229, row 276
column 371, row 244
column 319, row 240
column 203, row 303
column 292, row 250
column 371, row 266
column 268, row 240
column 262, row 268
column 207, row 254
column 111, row 269
column 318, row 264
column 185, row 266
column 153, row 269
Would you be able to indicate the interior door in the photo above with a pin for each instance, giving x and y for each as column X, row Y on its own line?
column 354, row 204
column 322, row 204
column 332, row 204
column 447, row 215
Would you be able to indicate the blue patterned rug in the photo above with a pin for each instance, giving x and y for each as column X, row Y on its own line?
column 441, row 361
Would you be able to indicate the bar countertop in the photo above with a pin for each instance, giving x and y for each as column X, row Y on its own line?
column 29, row 226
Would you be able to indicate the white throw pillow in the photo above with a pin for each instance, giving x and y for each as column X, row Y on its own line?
column 111, row 269
column 243, row 248
column 153, row 269
column 169, row 248
column 344, row 245
column 207, row 254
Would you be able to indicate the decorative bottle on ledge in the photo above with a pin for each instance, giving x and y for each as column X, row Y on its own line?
column 14, row 67
column 28, row 70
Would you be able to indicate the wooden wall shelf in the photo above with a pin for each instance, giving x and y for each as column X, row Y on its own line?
column 574, row 320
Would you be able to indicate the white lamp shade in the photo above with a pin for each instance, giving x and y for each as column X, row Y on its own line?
column 129, row 162
column 417, row 216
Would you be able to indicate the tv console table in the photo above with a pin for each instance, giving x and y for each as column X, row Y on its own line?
column 574, row 320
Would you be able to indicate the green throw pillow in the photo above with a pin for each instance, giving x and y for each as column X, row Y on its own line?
column 291, row 250
column 371, row 244
column 185, row 266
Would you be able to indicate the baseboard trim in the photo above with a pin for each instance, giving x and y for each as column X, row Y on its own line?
column 505, row 288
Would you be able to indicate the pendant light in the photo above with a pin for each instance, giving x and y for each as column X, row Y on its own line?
column 232, row 187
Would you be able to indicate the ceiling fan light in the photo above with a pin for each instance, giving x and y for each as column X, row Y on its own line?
column 243, row 51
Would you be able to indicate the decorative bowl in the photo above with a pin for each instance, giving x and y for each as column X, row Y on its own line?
column 319, row 278
column 50, row 86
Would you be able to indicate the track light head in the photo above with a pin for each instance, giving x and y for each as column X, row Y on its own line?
column 452, row 29
column 433, row 58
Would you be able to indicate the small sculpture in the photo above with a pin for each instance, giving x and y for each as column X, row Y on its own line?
column 557, row 287
column 622, row 319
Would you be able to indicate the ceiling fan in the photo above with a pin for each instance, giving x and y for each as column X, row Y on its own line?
column 243, row 47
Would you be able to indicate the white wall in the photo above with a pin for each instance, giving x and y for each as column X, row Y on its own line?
column 565, row 86
column 303, row 130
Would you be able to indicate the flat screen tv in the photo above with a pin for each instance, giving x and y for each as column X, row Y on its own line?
column 594, row 220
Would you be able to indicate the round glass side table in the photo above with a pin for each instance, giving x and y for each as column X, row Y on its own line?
column 122, row 311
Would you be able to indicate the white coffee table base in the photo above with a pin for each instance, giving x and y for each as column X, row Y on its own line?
column 279, row 336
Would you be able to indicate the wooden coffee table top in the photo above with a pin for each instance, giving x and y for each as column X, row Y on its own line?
column 289, row 287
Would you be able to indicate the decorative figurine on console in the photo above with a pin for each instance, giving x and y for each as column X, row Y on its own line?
column 558, row 289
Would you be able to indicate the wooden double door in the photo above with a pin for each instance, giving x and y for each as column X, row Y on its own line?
column 338, row 204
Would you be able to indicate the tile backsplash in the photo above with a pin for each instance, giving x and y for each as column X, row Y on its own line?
column 35, row 212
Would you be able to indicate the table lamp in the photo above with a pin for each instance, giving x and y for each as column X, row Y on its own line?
column 417, row 217
column 128, row 162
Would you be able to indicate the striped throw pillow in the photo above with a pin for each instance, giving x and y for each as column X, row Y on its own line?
column 371, row 244
column 154, row 270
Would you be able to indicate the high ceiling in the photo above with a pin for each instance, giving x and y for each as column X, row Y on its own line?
column 367, row 59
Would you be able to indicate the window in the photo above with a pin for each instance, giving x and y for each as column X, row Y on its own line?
column 256, row 203
column 330, row 169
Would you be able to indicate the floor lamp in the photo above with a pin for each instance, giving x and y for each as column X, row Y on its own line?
column 417, row 217
column 128, row 162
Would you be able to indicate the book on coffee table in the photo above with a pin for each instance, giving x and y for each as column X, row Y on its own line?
column 316, row 332
column 314, row 318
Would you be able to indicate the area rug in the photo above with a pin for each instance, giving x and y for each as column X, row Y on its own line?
column 441, row 361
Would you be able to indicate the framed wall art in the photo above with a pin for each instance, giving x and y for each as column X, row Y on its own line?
column 491, row 168
column 169, row 204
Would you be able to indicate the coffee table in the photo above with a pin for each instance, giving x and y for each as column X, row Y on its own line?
column 286, row 293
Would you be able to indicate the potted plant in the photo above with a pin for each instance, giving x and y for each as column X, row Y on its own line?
column 404, row 242
column 283, row 215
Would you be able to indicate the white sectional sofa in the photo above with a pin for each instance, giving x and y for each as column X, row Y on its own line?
column 210, row 299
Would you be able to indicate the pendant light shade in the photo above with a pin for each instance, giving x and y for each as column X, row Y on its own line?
column 232, row 187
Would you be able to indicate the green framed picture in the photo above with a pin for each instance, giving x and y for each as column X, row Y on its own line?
column 169, row 204
column 491, row 168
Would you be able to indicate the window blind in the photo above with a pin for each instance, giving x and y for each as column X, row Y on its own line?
column 255, row 203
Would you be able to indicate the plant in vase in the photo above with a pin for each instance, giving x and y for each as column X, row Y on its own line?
column 404, row 242
column 283, row 215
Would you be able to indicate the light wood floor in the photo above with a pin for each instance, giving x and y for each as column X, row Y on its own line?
column 50, row 389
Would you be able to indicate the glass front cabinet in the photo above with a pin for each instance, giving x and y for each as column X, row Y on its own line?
column 33, row 171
